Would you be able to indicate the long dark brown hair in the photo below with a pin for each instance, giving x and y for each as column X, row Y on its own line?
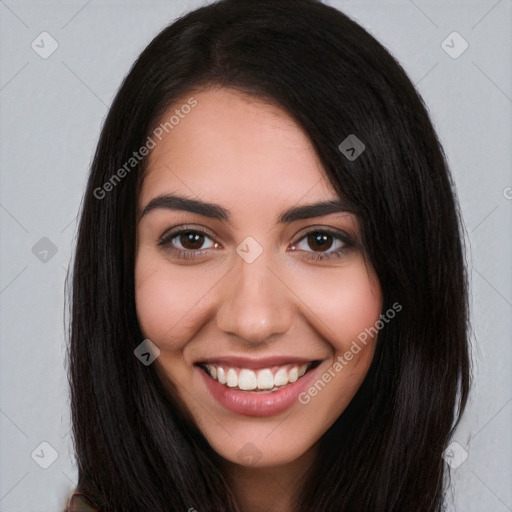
column 135, row 448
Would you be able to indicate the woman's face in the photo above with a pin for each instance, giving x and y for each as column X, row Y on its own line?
column 254, row 303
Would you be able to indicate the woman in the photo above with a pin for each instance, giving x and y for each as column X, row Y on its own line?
column 269, row 293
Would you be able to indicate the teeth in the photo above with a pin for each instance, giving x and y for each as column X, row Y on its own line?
column 221, row 376
column 293, row 374
column 232, row 378
column 247, row 380
column 213, row 370
column 281, row 378
column 265, row 379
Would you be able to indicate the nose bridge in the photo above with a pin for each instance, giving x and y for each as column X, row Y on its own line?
column 254, row 304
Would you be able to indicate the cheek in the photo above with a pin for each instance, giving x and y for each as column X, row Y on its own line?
column 350, row 303
column 359, row 303
column 167, row 305
column 345, row 302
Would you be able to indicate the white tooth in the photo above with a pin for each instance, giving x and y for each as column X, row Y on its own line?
column 212, row 370
column 247, row 380
column 302, row 369
column 221, row 375
column 265, row 379
column 232, row 378
column 281, row 378
column 293, row 374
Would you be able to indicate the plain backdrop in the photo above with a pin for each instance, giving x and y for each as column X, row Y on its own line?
column 52, row 109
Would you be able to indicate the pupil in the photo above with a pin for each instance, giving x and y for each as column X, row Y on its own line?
column 321, row 240
column 191, row 239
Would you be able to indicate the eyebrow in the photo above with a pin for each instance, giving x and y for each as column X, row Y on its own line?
column 215, row 211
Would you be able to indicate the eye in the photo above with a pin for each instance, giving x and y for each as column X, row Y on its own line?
column 186, row 243
column 320, row 241
column 189, row 243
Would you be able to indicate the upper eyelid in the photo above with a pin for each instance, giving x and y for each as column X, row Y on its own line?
column 172, row 232
column 338, row 234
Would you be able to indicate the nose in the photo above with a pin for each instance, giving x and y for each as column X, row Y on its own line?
column 256, row 303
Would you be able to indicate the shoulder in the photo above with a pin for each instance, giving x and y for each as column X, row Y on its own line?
column 80, row 502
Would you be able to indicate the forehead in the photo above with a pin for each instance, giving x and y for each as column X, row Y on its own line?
column 233, row 146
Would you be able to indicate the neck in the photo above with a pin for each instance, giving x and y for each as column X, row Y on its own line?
column 269, row 489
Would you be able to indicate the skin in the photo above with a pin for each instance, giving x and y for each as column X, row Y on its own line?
column 251, row 158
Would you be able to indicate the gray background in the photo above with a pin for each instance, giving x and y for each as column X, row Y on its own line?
column 51, row 113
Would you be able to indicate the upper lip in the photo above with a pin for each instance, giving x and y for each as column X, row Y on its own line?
column 256, row 363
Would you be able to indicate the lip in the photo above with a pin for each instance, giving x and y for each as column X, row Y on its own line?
column 250, row 403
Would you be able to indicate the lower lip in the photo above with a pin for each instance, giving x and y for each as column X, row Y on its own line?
column 258, row 404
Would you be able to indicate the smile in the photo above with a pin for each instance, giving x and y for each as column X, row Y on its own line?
column 245, row 379
column 257, row 388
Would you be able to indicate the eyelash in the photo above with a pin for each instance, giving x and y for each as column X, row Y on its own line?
column 191, row 254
